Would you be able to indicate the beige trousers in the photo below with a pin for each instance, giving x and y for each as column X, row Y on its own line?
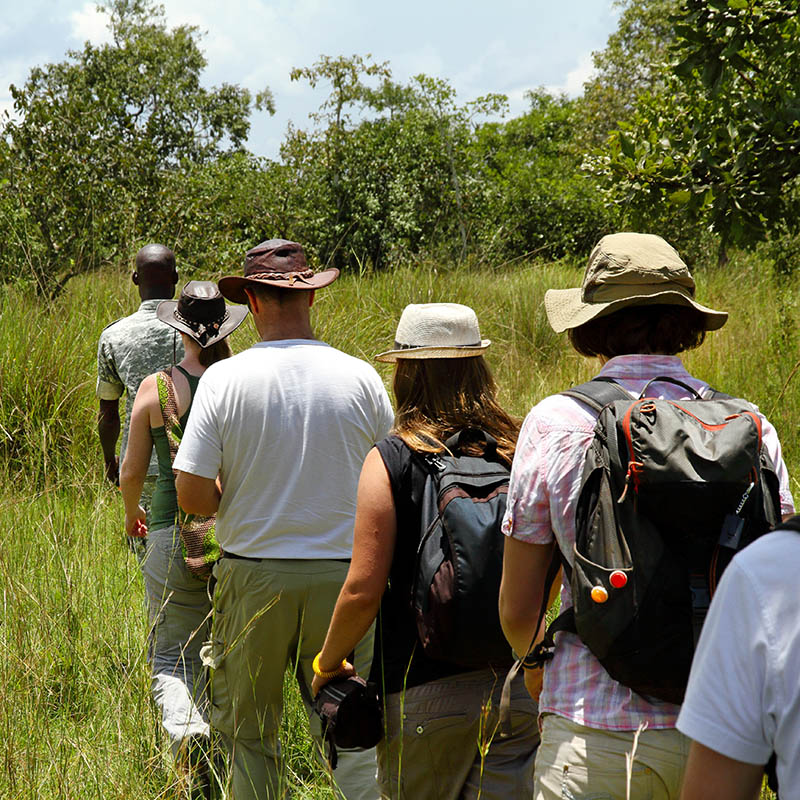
column 270, row 615
column 579, row 763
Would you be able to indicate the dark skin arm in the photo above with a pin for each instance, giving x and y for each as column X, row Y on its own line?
column 108, row 427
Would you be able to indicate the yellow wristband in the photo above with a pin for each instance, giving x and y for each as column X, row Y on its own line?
column 319, row 673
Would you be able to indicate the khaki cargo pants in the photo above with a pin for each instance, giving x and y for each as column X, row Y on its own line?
column 269, row 615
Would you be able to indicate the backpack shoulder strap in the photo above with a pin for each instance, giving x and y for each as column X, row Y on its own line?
column 597, row 393
column 713, row 394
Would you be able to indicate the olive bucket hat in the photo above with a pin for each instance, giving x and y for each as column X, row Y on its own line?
column 200, row 312
column 436, row 330
column 627, row 269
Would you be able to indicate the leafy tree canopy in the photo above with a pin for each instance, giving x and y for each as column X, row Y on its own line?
column 94, row 134
column 720, row 145
column 635, row 60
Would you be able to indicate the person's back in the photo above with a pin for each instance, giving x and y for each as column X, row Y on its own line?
column 743, row 698
column 636, row 312
column 294, row 422
column 132, row 348
column 176, row 565
column 286, row 425
column 440, row 727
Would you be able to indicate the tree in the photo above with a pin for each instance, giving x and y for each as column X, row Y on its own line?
column 96, row 135
column 721, row 144
column 634, row 61
column 397, row 178
column 538, row 201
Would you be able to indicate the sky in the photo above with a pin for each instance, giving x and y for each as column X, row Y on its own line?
column 479, row 46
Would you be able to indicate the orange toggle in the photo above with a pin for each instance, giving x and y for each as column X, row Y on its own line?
column 599, row 594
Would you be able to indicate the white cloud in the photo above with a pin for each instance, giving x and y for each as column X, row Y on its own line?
column 517, row 102
column 576, row 77
column 89, row 24
column 427, row 60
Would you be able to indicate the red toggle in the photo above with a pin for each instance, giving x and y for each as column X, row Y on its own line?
column 618, row 579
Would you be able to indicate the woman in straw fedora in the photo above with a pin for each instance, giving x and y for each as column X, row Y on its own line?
column 440, row 721
column 635, row 312
column 178, row 602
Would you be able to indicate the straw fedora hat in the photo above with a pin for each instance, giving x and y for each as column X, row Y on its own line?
column 436, row 330
column 200, row 312
column 276, row 262
column 627, row 269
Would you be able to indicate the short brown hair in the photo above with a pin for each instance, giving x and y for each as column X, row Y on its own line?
column 278, row 294
column 437, row 397
column 665, row 329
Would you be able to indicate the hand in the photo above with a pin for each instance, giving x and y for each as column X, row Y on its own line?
column 112, row 470
column 347, row 670
column 136, row 525
column 533, row 682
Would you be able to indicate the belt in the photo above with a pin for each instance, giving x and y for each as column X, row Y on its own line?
column 242, row 558
column 259, row 560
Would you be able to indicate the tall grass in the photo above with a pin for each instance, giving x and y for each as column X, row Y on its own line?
column 75, row 715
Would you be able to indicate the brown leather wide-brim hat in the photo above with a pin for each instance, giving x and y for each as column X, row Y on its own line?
column 276, row 262
column 627, row 269
column 200, row 312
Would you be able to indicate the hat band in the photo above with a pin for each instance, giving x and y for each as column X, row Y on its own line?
column 205, row 330
column 282, row 276
column 400, row 346
column 609, row 292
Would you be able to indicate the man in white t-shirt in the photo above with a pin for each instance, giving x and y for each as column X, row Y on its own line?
column 743, row 698
column 286, row 426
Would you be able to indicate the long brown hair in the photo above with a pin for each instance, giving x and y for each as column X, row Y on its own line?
column 214, row 352
column 437, row 397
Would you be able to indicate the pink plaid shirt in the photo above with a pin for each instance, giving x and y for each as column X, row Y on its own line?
column 545, row 480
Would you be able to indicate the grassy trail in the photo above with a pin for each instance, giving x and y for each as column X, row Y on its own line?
column 75, row 715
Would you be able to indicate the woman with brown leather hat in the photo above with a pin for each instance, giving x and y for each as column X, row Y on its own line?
column 636, row 312
column 178, row 601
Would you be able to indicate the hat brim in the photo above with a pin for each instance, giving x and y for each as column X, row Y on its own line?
column 165, row 311
column 566, row 308
column 434, row 352
column 233, row 286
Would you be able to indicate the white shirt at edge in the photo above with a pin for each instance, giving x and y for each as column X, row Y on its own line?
column 287, row 425
column 743, row 697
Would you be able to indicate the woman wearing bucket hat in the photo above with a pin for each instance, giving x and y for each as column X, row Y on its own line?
column 440, row 726
column 635, row 311
column 178, row 600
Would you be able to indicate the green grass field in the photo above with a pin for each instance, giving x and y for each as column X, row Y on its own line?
column 76, row 719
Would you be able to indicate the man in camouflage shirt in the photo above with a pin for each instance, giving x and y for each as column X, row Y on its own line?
column 132, row 348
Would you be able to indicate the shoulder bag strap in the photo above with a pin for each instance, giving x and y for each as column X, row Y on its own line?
column 168, row 401
column 597, row 393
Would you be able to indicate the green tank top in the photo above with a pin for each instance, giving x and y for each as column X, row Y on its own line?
column 164, row 505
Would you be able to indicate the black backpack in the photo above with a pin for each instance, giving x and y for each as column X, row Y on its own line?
column 459, row 559
column 670, row 491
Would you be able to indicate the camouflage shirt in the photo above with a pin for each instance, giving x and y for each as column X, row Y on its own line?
column 129, row 350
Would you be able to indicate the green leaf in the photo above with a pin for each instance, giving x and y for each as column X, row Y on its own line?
column 626, row 145
column 680, row 198
column 737, row 4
